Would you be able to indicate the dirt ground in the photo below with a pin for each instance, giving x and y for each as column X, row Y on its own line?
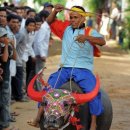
column 114, row 71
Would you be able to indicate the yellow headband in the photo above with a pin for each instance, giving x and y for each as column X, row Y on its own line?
column 80, row 11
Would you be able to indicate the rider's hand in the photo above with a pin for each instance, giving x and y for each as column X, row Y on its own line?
column 33, row 59
column 4, row 40
column 81, row 38
column 43, row 59
column 58, row 8
column 12, row 42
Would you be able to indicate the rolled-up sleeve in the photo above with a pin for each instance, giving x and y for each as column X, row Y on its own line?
column 58, row 27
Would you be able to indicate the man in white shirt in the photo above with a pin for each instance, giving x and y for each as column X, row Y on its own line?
column 115, row 14
column 24, row 49
column 41, row 44
column 48, row 7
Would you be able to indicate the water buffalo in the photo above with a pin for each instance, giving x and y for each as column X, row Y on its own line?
column 67, row 110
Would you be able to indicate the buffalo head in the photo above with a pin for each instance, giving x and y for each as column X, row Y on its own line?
column 58, row 105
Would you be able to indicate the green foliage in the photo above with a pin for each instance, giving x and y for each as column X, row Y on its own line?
column 125, row 45
column 40, row 2
column 51, row 1
column 94, row 5
column 126, row 41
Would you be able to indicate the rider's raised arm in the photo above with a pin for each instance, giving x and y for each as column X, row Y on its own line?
column 52, row 16
column 57, row 26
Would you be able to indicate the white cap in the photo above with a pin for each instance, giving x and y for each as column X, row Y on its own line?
column 3, row 31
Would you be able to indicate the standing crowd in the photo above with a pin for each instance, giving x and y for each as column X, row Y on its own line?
column 109, row 22
column 24, row 42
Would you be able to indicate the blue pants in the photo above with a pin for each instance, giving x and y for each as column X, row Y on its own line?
column 5, row 97
column 84, row 78
column 17, row 83
column 38, row 66
column 4, row 104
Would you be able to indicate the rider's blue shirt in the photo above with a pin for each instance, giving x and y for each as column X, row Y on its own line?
column 76, row 54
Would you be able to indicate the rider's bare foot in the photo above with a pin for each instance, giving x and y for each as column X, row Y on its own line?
column 10, row 128
column 34, row 123
column 93, row 127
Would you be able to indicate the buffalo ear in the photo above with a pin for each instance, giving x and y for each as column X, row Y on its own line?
column 45, row 103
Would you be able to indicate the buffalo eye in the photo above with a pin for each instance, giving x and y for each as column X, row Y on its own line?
column 44, row 103
column 65, row 104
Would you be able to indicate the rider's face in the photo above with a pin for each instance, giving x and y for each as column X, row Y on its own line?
column 76, row 19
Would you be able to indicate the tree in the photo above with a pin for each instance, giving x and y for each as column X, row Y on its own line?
column 126, row 30
column 63, row 2
column 51, row 1
column 94, row 5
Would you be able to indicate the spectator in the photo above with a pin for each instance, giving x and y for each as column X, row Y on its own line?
column 25, row 10
column 39, row 22
column 48, row 7
column 3, row 15
column 98, row 18
column 4, row 88
column 5, row 4
column 115, row 17
column 12, row 23
column 20, row 12
column 31, row 13
column 104, row 24
column 90, row 22
column 13, row 28
column 41, row 44
column 5, row 97
column 8, row 54
column 24, row 49
column 30, row 25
